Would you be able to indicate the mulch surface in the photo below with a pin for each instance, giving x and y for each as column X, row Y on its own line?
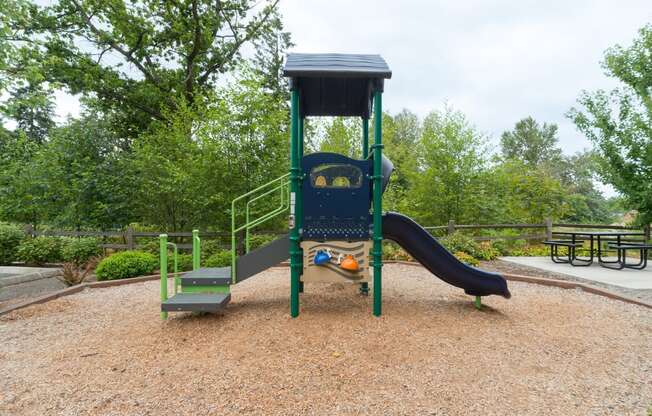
column 546, row 351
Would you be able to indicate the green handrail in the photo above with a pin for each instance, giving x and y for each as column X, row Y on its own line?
column 282, row 207
column 163, row 254
column 279, row 184
column 177, row 281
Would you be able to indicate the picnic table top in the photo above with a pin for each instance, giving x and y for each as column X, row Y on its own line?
column 601, row 233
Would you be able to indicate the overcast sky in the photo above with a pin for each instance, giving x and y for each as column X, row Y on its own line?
column 496, row 61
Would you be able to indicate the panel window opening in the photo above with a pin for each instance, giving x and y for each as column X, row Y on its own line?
column 336, row 176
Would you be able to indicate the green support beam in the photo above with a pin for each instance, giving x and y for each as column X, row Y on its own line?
column 299, row 218
column 196, row 250
column 364, row 287
column 163, row 255
column 295, row 205
column 365, row 138
column 378, row 203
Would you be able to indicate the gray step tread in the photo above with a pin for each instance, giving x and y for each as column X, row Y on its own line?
column 196, row 302
column 207, row 276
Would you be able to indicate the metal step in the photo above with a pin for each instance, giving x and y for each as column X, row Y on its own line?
column 207, row 276
column 196, row 302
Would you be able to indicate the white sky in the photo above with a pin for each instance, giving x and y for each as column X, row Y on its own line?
column 495, row 60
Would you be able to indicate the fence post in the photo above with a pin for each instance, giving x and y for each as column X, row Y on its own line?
column 451, row 227
column 646, row 231
column 29, row 230
column 129, row 236
column 548, row 228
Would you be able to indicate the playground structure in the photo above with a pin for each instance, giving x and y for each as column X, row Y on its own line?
column 335, row 204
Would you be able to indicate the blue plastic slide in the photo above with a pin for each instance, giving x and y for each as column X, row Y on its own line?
column 433, row 256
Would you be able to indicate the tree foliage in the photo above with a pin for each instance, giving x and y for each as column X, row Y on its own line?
column 619, row 122
column 531, row 143
column 136, row 57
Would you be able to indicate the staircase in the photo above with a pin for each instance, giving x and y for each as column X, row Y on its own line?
column 202, row 290
column 207, row 289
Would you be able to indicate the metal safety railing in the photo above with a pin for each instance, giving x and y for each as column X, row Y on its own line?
column 163, row 257
column 279, row 187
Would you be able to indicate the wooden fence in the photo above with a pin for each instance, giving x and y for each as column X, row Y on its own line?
column 129, row 236
column 547, row 229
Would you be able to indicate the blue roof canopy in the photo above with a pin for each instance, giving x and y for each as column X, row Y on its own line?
column 334, row 84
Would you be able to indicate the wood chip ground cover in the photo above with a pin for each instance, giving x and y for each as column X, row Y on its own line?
column 546, row 351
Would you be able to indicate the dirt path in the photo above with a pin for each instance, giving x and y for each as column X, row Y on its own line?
column 546, row 351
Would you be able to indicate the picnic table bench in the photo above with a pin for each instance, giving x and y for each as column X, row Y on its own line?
column 571, row 246
column 622, row 255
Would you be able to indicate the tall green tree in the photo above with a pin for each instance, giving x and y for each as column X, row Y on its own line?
column 451, row 158
column 239, row 141
column 401, row 136
column 139, row 57
column 619, row 122
column 31, row 107
column 514, row 191
column 342, row 135
column 80, row 178
column 531, row 142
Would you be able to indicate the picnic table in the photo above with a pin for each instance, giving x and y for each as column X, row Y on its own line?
column 600, row 242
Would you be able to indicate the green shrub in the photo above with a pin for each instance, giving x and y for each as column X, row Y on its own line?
column 210, row 247
column 502, row 246
column 486, row 251
column 392, row 251
column 184, row 262
column 150, row 246
column 40, row 250
column 466, row 258
column 537, row 251
column 458, row 242
column 126, row 264
column 10, row 238
column 259, row 240
column 80, row 250
column 219, row 259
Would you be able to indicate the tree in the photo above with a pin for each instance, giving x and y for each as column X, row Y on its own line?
column 135, row 57
column 343, row 136
column 80, row 178
column 31, row 106
column 517, row 192
column 239, row 141
column 401, row 136
column 530, row 142
column 578, row 176
column 451, row 158
column 619, row 123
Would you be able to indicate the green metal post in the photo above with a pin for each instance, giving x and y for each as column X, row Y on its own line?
column 365, row 138
column 175, row 262
column 364, row 287
column 299, row 219
column 295, row 204
column 478, row 302
column 300, row 148
column 163, row 253
column 378, row 203
column 247, row 230
column 196, row 249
